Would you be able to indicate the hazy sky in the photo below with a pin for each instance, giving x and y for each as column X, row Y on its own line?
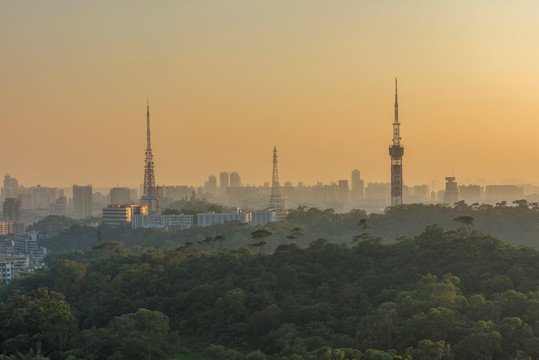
column 229, row 79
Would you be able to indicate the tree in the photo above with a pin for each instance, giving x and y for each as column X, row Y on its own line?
column 220, row 239
column 143, row 335
column 260, row 235
column 363, row 224
column 295, row 233
column 465, row 220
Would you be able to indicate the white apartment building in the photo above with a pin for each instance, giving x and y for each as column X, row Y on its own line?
column 162, row 221
column 212, row 218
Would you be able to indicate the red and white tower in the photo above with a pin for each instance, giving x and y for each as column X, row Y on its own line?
column 396, row 151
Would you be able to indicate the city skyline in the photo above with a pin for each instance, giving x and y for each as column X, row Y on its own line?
column 314, row 80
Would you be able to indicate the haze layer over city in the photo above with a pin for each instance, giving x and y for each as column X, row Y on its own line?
column 229, row 80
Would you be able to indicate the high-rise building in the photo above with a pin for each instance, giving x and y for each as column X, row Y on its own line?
column 396, row 151
column 235, row 179
column 11, row 209
column 11, row 187
column 224, row 181
column 59, row 207
column 498, row 193
column 344, row 191
column 210, row 186
column 43, row 197
column 276, row 201
column 120, row 195
column 82, row 201
column 26, row 201
column 358, row 187
column 471, row 193
column 150, row 197
column 451, row 195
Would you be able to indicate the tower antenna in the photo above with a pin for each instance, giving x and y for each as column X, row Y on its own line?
column 276, row 201
column 396, row 151
column 151, row 195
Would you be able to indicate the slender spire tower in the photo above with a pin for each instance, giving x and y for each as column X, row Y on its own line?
column 276, row 201
column 150, row 197
column 396, row 151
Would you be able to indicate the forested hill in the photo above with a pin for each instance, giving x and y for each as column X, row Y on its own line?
column 517, row 225
column 440, row 295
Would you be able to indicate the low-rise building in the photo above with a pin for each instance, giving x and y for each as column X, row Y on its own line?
column 212, row 218
column 162, row 221
column 11, row 266
column 122, row 214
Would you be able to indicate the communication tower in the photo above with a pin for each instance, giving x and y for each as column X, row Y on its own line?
column 396, row 151
column 150, row 197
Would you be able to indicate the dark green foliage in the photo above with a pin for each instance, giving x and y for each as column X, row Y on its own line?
column 193, row 207
column 52, row 224
column 439, row 295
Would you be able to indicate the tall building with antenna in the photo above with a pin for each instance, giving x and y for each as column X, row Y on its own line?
column 396, row 151
column 150, row 197
column 276, row 201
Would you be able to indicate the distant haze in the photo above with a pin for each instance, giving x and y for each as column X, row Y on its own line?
column 228, row 80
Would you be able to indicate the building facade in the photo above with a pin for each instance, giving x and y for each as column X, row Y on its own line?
column 82, row 201
column 162, row 221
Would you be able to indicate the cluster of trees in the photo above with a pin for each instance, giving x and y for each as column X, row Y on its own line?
column 439, row 295
column 517, row 225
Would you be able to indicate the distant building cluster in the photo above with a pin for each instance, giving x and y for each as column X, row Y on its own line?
column 20, row 255
column 114, row 215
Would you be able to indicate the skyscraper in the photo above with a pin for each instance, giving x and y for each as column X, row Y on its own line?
column 358, row 187
column 276, row 201
column 150, row 197
column 235, row 179
column 11, row 186
column 224, row 181
column 451, row 195
column 11, row 209
column 82, row 201
column 396, row 151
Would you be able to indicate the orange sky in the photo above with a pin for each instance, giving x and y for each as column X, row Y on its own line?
column 229, row 79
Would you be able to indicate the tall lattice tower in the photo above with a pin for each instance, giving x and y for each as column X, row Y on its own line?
column 150, row 197
column 396, row 151
column 276, row 201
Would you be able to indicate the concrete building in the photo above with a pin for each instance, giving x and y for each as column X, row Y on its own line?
column 377, row 195
column 210, row 186
column 59, row 207
column 162, row 221
column 224, row 182
column 28, row 245
column 262, row 217
column 212, row 218
column 498, row 193
column 43, row 197
column 82, row 201
column 26, row 201
column 11, row 208
column 6, row 227
column 11, row 187
column 418, row 194
column 471, row 193
column 344, row 192
column 451, row 195
column 357, row 193
column 122, row 214
column 120, row 195
column 11, row 266
column 235, row 180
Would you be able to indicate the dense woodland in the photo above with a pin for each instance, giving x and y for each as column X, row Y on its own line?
column 455, row 294
column 517, row 224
